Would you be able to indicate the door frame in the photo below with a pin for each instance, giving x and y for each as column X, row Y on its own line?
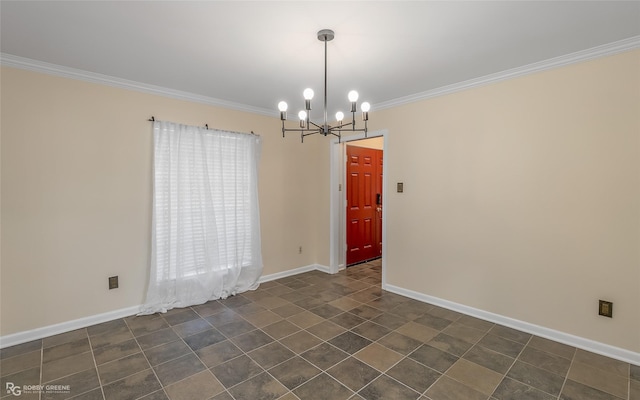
column 338, row 210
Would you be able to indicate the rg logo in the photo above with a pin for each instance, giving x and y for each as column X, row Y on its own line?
column 13, row 389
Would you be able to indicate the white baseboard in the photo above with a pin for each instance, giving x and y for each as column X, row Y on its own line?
column 561, row 337
column 46, row 331
column 576, row 341
column 291, row 272
column 323, row 268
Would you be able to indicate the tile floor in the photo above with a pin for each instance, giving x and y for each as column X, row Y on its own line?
column 312, row 336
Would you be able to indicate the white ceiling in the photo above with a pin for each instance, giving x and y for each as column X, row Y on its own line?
column 258, row 53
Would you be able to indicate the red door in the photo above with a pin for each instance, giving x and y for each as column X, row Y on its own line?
column 364, row 204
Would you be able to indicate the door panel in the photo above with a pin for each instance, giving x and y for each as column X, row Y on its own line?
column 364, row 228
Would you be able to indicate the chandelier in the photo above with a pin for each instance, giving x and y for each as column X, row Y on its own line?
column 308, row 127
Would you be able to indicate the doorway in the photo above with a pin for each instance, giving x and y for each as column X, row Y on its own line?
column 363, row 185
column 337, row 218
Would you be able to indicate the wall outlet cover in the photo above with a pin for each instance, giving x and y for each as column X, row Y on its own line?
column 605, row 308
column 113, row 282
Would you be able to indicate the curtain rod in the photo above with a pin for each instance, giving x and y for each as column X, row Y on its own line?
column 206, row 126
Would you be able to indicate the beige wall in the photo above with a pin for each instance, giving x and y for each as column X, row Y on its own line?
column 76, row 194
column 522, row 198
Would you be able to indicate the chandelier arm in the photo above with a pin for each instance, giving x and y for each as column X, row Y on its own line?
column 341, row 125
column 309, row 133
column 314, row 124
column 292, row 129
column 338, row 135
column 318, row 129
column 356, row 130
column 301, row 130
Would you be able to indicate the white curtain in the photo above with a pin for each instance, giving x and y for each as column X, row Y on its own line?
column 205, row 240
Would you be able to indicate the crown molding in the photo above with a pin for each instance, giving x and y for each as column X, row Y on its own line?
column 28, row 64
column 620, row 46
column 567, row 59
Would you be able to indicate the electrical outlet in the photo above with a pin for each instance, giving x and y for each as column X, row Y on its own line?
column 605, row 308
column 113, row 282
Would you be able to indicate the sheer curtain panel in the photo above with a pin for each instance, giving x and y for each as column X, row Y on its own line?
column 205, row 238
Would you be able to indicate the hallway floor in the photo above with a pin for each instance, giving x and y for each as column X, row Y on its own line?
column 312, row 336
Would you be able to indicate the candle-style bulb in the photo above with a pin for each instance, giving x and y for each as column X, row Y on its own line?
column 308, row 94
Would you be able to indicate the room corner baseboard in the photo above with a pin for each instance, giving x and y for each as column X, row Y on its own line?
column 46, row 331
column 561, row 337
column 323, row 268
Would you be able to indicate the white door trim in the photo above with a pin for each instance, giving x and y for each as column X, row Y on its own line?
column 338, row 221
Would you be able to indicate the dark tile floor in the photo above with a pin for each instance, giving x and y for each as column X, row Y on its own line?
column 312, row 336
